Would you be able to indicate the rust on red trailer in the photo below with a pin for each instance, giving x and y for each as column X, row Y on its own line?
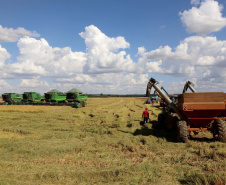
column 201, row 108
column 197, row 129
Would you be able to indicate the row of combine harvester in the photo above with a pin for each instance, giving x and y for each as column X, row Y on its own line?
column 74, row 98
column 191, row 112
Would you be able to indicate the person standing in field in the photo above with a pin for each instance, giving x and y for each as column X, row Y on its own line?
column 145, row 115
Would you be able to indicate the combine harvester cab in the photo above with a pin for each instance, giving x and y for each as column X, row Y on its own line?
column 12, row 98
column 32, row 98
column 195, row 112
column 74, row 96
column 54, row 97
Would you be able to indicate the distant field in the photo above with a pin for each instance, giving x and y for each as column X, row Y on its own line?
column 102, row 143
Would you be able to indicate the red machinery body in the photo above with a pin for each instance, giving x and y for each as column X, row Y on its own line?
column 194, row 112
column 201, row 108
column 225, row 105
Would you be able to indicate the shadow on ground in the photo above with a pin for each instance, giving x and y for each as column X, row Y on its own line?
column 170, row 136
column 157, row 132
column 154, row 131
column 202, row 139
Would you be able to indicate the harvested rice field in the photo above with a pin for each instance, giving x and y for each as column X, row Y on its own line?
column 102, row 143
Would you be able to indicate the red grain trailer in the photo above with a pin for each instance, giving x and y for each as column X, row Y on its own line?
column 195, row 112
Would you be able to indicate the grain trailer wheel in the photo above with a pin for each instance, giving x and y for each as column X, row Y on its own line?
column 161, row 120
column 182, row 133
column 171, row 121
column 219, row 130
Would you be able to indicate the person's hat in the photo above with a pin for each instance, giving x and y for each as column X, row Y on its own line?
column 146, row 108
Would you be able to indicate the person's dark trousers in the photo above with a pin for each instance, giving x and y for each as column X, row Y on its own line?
column 145, row 120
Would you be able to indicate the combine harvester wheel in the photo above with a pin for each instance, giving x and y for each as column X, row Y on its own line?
column 84, row 104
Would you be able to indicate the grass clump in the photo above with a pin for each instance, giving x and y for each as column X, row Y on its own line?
column 204, row 178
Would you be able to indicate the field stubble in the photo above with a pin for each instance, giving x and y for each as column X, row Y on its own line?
column 102, row 143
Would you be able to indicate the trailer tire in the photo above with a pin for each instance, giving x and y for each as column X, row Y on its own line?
column 171, row 121
column 161, row 120
column 182, row 133
column 219, row 132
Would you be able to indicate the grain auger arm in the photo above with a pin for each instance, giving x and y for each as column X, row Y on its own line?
column 187, row 85
column 165, row 91
column 153, row 83
column 149, row 86
column 148, row 91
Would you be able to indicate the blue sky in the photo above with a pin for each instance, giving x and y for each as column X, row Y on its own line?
column 60, row 22
column 105, row 59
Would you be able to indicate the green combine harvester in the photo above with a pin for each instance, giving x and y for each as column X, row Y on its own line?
column 77, row 97
column 32, row 98
column 12, row 98
column 54, row 97
column 74, row 98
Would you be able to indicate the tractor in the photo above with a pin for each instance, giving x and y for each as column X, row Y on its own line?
column 194, row 112
column 154, row 99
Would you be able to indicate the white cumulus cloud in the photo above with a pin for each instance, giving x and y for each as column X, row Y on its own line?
column 3, row 55
column 37, row 57
column 202, row 59
column 5, row 87
column 204, row 19
column 106, row 67
column 103, row 53
column 12, row 35
column 33, row 82
column 195, row 2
